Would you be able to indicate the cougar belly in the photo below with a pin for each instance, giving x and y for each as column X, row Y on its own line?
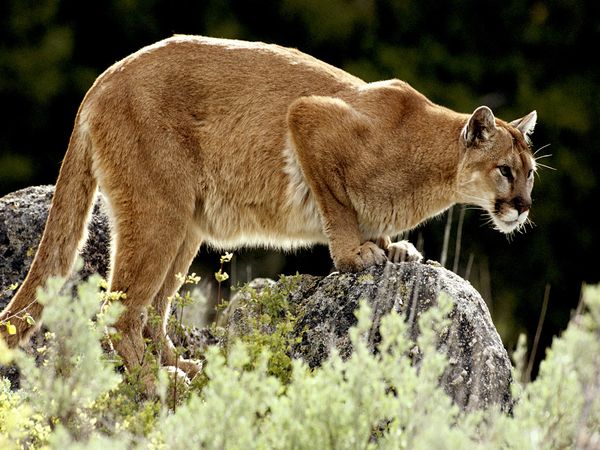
column 277, row 211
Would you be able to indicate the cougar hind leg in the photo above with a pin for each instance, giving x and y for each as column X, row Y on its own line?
column 157, row 329
column 148, row 239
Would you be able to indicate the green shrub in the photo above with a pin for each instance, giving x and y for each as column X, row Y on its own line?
column 561, row 408
column 20, row 426
column 268, row 321
column 76, row 399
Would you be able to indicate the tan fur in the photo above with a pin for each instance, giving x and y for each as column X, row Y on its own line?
column 234, row 143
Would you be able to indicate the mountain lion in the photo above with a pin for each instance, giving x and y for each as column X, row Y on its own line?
column 233, row 143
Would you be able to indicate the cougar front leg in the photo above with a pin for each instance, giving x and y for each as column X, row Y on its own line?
column 348, row 252
column 320, row 129
column 399, row 251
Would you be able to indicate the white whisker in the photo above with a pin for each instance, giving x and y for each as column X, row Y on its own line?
column 541, row 148
column 546, row 166
column 487, row 220
column 530, row 222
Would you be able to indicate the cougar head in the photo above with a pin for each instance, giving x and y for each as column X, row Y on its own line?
column 497, row 167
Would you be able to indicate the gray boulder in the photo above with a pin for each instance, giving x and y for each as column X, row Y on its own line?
column 22, row 219
column 23, row 216
column 479, row 371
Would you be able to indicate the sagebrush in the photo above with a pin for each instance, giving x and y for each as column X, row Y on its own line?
column 79, row 398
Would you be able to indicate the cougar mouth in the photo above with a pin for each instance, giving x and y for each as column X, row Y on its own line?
column 506, row 226
column 509, row 221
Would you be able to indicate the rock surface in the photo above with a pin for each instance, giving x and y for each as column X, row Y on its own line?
column 22, row 219
column 479, row 370
column 479, row 373
column 23, row 216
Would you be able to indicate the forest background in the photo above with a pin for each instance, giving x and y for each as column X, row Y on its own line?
column 511, row 55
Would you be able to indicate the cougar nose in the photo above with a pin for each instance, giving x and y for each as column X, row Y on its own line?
column 522, row 204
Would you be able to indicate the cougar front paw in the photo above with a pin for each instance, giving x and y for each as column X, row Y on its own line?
column 403, row 251
column 366, row 255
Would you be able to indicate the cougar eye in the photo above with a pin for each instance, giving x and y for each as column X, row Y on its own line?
column 505, row 171
column 530, row 173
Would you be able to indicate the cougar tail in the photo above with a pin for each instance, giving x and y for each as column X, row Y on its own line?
column 65, row 228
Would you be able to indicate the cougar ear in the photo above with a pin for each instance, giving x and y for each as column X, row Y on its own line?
column 480, row 127
column 526, row 124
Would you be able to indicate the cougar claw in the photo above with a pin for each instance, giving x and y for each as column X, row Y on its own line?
column 403, row 251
